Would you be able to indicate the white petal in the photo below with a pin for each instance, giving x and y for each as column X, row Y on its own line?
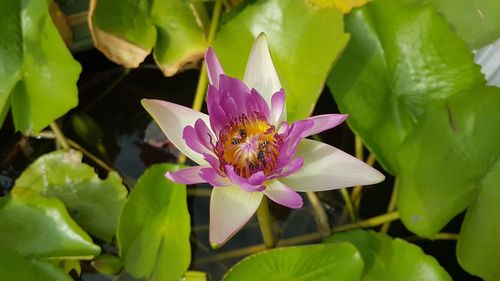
column 172, row 118
column 326, row 167
column 260, row 73
column 230, row 210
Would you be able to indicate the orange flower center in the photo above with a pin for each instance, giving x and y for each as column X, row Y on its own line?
column 249, row 144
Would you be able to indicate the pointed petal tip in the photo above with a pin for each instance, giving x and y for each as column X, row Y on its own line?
column 214, row 245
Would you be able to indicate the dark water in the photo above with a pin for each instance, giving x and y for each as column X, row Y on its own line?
column 126, row 146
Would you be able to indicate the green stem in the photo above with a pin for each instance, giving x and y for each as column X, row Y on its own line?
column 201, row 87
column 266, row 226
column 392, row 205
column 301, row 239
column 320, row 215
column 348, row 204
column 59, row 136
column 91, row 156
column 203, row 80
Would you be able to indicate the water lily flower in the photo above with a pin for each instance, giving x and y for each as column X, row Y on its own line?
column 246, row 148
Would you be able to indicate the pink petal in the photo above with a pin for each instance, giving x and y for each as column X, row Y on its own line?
column 278, row 108
column 260, row 73
column 326, row 167
column 172, row 119
column 214, row 67
column 189, row 175
column 230, row 210
column 211, row 176
column 198, row 138
column 325, row 122
column 283, row 195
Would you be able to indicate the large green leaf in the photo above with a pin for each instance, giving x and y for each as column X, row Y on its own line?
column 304, row 41
column 126, row 31
column 388, row 259
column 14, row 266
column 451, row 160
column 37, row 73
column 154, row 229
column 476, row 21
column 401, row 57
column 332, row 262
column 40, row 227
column 94, row 203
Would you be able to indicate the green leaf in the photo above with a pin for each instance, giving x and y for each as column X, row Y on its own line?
column 388, row 259
column 401, row 57
column 38, row 74
column 40, row 227
column 94, row 203
column 14, row 266
column 463, row 150
column 153, row 235
column 127, row 30
column 476, row 21
column 304, row 42
column 332, row 262
column 107, row 264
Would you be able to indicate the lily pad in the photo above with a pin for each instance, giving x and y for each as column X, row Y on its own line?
column 332, row 262
column 94, row 203
column 38, row 74
column 303, row 51
column 154, row 230
column 388, row 259
column 464, row 152
column 401, row 57
column 127, row 30
column 14, row 266
column 476, row 21
column 40, row 227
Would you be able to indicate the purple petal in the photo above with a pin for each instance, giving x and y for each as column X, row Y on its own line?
column 278, row 113
column 199, row 138
column 217, row 117
column 214, row 67
column 234, row 88
column 230, row 210
column 283, row 195
column 293, row 137
column 256, row 103
column 212, row 97
column 255, row 185
column 212, row 176
column 325, row 122
column 172, row 119
column 292, row 167
column 230, row 107
column 326, row 167
column 189, row 175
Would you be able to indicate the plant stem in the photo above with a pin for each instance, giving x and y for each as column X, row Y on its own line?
column 348, row 204
column 392, row 205
column 372, row 222
column 203, row 80
column 201, row 87
column 319, row 213
column 266, row 226
column 59, row 136
column 91, row 156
